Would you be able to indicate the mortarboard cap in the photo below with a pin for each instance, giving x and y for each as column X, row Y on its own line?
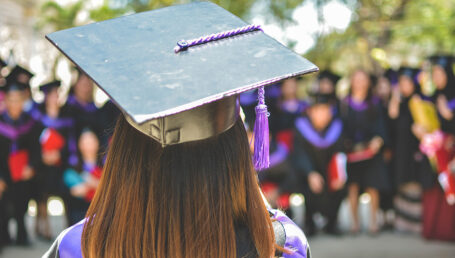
column 47, row 87
column 15, row 86
column 15, row 75
column 442, row 60
column 409, row 72
column 174, row 92
column 326, row 74
column 2, row 63
column 321, row 98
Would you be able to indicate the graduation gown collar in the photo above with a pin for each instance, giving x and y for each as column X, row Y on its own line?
column 320, row 140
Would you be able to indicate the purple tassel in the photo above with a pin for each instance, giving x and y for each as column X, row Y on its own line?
column 261, row 134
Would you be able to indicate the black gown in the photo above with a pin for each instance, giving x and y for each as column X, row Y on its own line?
column 85, row 116
column 410, row 165
column 49, row 177
column 19, row 137
column 313, row 152
column 363, row 121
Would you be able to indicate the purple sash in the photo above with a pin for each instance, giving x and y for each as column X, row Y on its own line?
column 362, row 105
column 301, row 106
column 13, row 132
column 451, row 104
column 56, row 123
column 305, row 128
column 248, row 98
column 89, row 107
column 279, row 155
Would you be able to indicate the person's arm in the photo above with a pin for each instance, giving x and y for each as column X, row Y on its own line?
column 394, row 104
column 379, row 132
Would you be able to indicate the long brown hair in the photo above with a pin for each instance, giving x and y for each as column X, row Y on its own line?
column 180, row 201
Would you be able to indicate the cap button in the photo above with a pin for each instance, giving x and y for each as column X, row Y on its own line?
column 182, row 44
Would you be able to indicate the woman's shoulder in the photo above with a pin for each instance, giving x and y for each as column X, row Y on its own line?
column 293, row 237
column 68, row 243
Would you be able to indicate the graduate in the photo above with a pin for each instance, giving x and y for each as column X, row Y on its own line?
column 365, row 136
column 179, row 179
column 411, row 167
column 81, row 179
column 385, row 83
column 82, row 107
column 19, row 154
column 58, row 151
column 320, row 160
column 21, row 75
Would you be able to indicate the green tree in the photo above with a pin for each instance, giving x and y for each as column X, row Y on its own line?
column 281, row 10
column 57, row 17
column 383, row 29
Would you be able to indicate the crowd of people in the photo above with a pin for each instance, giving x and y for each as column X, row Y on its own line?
column 326, row 147
column 48, row 149
column 380, row 139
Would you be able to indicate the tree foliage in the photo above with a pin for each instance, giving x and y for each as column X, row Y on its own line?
column 387, row 33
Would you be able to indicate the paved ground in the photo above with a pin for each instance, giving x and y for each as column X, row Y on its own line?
column 385, row 245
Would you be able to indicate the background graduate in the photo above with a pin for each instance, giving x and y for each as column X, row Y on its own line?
column 365, row 135
column 320, row 161
column 19, row 154
column 411, row 167
column 23, row 76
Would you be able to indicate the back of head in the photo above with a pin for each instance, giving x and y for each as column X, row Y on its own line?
column 183, row 200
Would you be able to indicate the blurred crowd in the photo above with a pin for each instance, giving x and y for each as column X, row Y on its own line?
column 48, row 149
column 389, row 136
column 386, row 137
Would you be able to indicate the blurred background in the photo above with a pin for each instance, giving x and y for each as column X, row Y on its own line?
column 341, row 36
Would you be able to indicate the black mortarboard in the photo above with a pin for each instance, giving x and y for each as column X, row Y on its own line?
column 16, row 72
column 409, row 72
column 134, row 60
column 47, row 87
column 2, row 63
column 442, row 60
column 176, row 72
column 326, row 74
column 15, row 86
column 321, row 98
